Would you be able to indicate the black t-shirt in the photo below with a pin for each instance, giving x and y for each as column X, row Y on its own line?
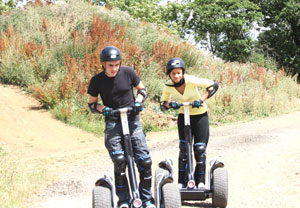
column 115, row 92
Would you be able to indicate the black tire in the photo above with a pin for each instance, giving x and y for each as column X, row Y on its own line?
column 170, row 196
column 102, row 197
column 220, row 188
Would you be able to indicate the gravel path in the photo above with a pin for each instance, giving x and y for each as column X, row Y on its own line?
column 262, row 159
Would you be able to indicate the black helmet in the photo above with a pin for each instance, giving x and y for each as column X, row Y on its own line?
column 110, row 53
column 175, row 63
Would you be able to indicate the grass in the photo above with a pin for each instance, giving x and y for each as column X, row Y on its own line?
column 53, row 51
column 19, row 181
column 57, row 60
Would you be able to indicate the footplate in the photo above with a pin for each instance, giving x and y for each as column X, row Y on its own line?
column 194, row 194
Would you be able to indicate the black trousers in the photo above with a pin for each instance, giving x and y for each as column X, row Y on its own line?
column 200, row 136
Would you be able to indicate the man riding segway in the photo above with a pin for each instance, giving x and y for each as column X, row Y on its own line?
column 115, row 87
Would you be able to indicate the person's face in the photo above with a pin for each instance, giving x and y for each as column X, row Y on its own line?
column 176, row 75
column 111, row 67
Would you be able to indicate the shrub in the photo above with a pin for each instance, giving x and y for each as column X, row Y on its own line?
column 54, row 51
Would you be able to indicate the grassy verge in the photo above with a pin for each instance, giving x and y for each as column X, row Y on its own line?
column 19, row 181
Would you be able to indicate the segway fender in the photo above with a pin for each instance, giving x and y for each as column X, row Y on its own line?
column 214, row 164
column 107, row 182
column 165, row 176
column 168, row 165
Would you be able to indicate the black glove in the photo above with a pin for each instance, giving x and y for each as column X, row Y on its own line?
column 197, row 103
column 174, row 105
column 138, row 107
column 107, row 112
column 163, row 106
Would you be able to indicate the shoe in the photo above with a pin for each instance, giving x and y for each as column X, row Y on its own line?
column 125, row 205
column 180, row 185
column 201, row 186
column 149, row 204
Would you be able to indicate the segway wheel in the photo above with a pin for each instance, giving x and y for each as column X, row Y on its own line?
column 102, row 197
column 219, row 188
column 170, row 196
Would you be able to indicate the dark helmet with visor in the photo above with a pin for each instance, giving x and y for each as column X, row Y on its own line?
column 110, row 53
column 175, row 63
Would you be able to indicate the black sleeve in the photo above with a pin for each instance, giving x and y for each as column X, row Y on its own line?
column 92, row 88
column 134, row 77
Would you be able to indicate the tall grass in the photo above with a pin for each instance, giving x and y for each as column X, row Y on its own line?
column 18, row 181
column 53, row 52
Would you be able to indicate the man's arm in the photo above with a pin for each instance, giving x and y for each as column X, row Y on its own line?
column 142, row 93
column 94, row 101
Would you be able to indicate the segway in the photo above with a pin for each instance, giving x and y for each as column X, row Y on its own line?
column 104, row 191
column 217, row 186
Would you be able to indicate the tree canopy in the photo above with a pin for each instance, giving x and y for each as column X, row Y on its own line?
column 281, row 40
column 224, row 26
column 6, row 5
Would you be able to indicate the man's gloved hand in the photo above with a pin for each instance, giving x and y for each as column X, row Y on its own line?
column 197, row 103
column 107, row 111
column 137, row 107
column 174, row 105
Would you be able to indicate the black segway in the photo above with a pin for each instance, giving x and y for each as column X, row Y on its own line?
column 104, row 192
column 217, row 186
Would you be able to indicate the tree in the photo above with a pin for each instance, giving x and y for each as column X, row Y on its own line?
column 224, row 26
column 176, row 17
column 6, row 5
column 282, row 39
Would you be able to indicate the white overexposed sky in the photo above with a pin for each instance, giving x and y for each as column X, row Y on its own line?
column 164, row 2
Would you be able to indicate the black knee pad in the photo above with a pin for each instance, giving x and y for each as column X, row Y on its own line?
column 144, row 163
column 182, row 150
column 119, row 161
column 199, row 150
column 182, row 156
column 144, row 166
column 200, row 156
column 182, row 147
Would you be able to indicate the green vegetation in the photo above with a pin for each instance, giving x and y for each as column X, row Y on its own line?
column 6, row 5
column 281, row 40
column 225, row 27
column 53, row 51
column 18, row 181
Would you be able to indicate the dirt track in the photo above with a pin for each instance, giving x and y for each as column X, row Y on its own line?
column 262, row 157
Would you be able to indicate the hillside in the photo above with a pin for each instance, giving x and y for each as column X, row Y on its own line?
column 55, row 58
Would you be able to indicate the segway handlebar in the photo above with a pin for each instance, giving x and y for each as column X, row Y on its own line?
column 184, row 104
column 120, row 110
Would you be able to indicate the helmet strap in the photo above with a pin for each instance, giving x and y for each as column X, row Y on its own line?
column 178, row 84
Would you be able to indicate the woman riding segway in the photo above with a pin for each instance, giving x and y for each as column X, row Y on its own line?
column 184, row 88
